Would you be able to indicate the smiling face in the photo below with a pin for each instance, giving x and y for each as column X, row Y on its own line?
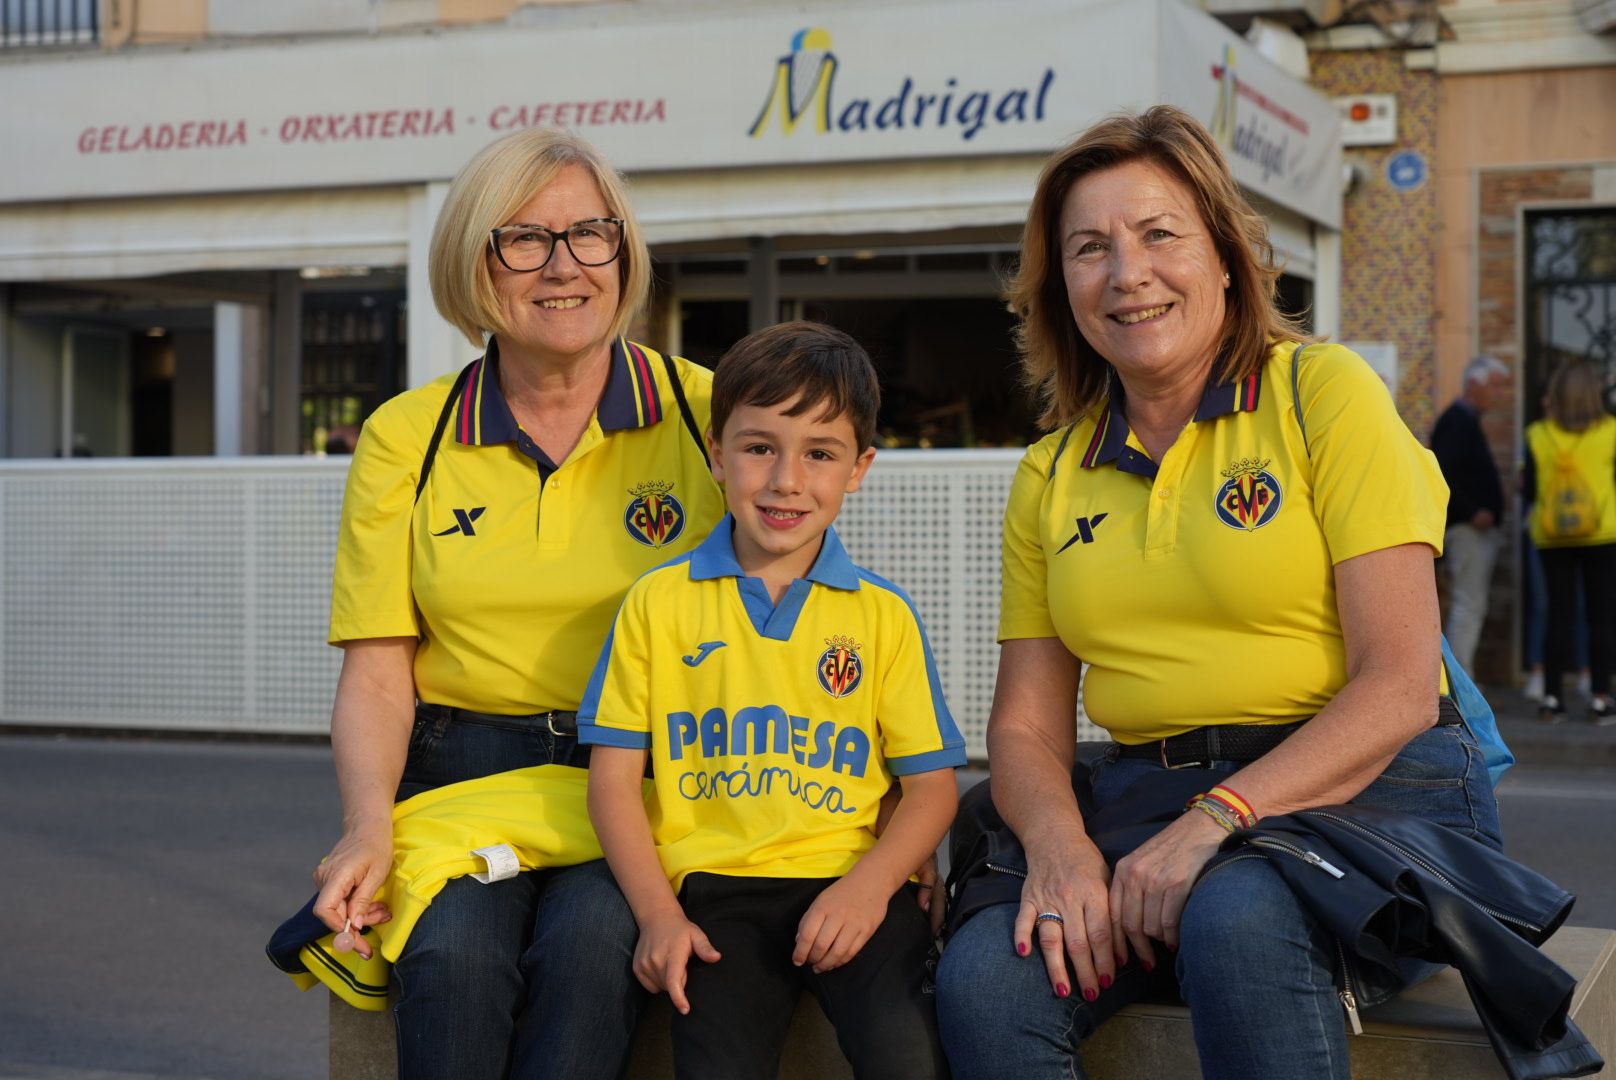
column 1142, row 275
column 562, row 314
column 784, row 478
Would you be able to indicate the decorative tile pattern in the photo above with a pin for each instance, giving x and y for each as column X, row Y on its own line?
column 1388, row 243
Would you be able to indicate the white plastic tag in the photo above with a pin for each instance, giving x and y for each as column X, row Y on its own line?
column 501, row 862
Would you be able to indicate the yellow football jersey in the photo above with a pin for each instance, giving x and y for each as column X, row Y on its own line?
column 509, row 568
column 773, row 729
column 1200, row 589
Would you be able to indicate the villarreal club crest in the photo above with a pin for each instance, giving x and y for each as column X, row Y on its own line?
column 1250, row 496
column 840, row 667
column 654, row 517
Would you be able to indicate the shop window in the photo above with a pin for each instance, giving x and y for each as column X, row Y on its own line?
column 28, row 23
column 1570, row 283
column 949, row 372
column 353, row 360
column 707, row 328
column 1296, row 299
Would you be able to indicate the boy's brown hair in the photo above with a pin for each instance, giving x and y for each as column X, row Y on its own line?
column 814, row 365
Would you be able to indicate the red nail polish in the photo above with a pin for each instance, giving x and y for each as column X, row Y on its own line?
column 1105, row 982
column 1062, row 990
column 1021, row 948
column 1090, row 995
column 1149, row 966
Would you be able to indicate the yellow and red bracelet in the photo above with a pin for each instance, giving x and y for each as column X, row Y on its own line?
column 1235, row 803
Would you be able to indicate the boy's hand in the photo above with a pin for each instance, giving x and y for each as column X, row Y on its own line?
column 838, row 924
column 663, row 954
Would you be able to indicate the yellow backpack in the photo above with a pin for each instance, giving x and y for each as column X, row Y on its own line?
column 1565, row 506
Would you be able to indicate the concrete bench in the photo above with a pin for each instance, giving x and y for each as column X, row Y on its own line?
column 1429, row 1033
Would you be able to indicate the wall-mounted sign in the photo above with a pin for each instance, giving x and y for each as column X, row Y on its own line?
column 1368, row 119
column 1407, row 171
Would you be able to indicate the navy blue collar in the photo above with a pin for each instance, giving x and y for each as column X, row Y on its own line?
column 714, row 557
column 1110, row 440
column 631, row 398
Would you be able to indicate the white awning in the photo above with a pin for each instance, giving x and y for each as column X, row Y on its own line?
column 126, row 238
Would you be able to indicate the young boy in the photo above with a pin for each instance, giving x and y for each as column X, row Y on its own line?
column 778, row 689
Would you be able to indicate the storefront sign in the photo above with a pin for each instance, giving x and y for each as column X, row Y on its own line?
column 656, row 90
column 1282, row 138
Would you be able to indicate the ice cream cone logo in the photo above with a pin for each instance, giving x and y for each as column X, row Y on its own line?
column 801, row 86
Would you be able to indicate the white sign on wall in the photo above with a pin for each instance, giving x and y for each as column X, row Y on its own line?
column 666, row 91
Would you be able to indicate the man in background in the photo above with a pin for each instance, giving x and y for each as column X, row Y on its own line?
column 1475, row 502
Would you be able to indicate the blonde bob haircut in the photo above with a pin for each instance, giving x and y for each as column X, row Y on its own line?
column 1069, row 378
column 495, row 184
column 1575, row 397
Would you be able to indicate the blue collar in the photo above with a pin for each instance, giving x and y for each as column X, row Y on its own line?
column 714, row 557
column 1110, row 440
column 631, row 398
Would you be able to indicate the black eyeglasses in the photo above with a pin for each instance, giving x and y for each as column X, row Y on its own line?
column 526, row 248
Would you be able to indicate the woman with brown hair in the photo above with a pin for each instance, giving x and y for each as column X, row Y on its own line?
column 1234, row 531
column 1571, row 482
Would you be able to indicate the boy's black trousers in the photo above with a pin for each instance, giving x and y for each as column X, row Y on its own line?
column 741, row 1006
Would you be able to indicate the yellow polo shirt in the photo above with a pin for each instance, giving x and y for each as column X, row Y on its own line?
column 774, row 729
column 1593, row 450
column 1200, row 589
column 510, row 568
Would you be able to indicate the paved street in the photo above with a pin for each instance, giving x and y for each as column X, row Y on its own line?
column 142, row 878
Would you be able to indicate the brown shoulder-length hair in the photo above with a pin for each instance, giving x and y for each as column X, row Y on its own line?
column 1058, row 364
column 1575, row 397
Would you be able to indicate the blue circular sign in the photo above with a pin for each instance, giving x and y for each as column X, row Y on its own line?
column 1407, row 171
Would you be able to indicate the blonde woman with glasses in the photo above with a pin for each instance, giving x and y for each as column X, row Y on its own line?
column 492, row 523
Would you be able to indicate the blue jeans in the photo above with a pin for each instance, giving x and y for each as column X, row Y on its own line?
column 1258, row 973
column 528, row 977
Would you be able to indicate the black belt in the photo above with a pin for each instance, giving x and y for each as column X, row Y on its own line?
column 555, row 721
column 1238, row 742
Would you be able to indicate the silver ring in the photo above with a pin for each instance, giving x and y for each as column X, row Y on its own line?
column 1050, row 916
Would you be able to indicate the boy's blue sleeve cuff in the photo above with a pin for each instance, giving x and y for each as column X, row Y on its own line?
column 595, row 735
column 949, row 757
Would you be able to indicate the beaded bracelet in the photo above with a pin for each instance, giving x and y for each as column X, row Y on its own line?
column 1236, row 804
column 1213, row 811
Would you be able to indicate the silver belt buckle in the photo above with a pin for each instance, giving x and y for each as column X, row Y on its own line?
column 549, row 722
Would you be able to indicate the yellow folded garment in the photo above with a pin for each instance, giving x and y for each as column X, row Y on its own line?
column 541, row 812
column 361, row 983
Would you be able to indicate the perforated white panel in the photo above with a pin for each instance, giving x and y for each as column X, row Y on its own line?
column 930, row 520
column 194, row 594
column 173, row 595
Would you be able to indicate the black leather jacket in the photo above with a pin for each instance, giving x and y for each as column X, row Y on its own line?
column 1388, row 885
column 1392, row 885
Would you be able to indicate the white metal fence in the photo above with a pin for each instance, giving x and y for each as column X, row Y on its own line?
column 192, row 594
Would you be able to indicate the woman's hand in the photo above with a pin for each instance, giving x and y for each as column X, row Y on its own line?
column 1071, row 880
column 662, row 955
column 1150, row 886
column 350, row 877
